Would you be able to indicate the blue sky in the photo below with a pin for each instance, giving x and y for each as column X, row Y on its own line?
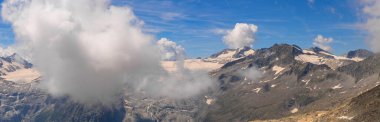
column 192, row 23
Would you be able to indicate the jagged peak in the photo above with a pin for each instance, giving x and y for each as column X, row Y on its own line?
column 233, row 53
column 318, row 49
column 18, row 59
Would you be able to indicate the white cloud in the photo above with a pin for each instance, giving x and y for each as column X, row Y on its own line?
column 242, row 35
column 94, row 51
column 219, row 31
column 252, row 73
column 171, row 16
column 323, row 42
column 372, row 25
column 170, row 51
column 6, row 51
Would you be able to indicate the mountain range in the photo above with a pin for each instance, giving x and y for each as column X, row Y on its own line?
column 288, row 83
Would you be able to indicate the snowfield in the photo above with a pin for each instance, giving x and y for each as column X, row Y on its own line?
column 22, row 75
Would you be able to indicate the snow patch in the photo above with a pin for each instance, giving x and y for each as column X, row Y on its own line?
column 337, row 86
column 294, row 110
column 277, row 69
column 310, row 58
column 264, row 81
column 306, row 81
column 209, row 100
column 249, row 52
column 345, row 117
column 257, row 90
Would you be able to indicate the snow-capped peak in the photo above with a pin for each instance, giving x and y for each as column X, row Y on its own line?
column 233, row 53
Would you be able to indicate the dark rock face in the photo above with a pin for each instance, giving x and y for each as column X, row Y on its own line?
column 317, row 49
column 360, row 53
column 281, row 53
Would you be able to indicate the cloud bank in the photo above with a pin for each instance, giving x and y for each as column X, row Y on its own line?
column 372, row 11
column 170, row 51
column 323, row 42
column 93, row 51
column 242, row 35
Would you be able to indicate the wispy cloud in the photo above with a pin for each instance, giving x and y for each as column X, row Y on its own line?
column 171, row 16
column 323, row 42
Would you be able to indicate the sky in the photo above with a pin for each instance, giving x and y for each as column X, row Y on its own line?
column 195, row 24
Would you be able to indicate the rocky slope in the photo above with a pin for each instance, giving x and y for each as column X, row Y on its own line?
column 286, row 86
column 363, row 106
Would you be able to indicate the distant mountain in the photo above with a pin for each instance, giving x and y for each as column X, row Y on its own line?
column 360, row 53
column 363, row 69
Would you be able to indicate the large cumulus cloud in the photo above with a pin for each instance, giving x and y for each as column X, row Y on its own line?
column 170, row 51
column 93, row 51
column 241, row 35
column 372, row 25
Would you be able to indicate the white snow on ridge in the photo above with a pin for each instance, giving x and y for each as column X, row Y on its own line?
column 334, row 62
column 357, row 59
column 326, row 53
column 308, row 52
column 309, row 58
column 228, row 54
